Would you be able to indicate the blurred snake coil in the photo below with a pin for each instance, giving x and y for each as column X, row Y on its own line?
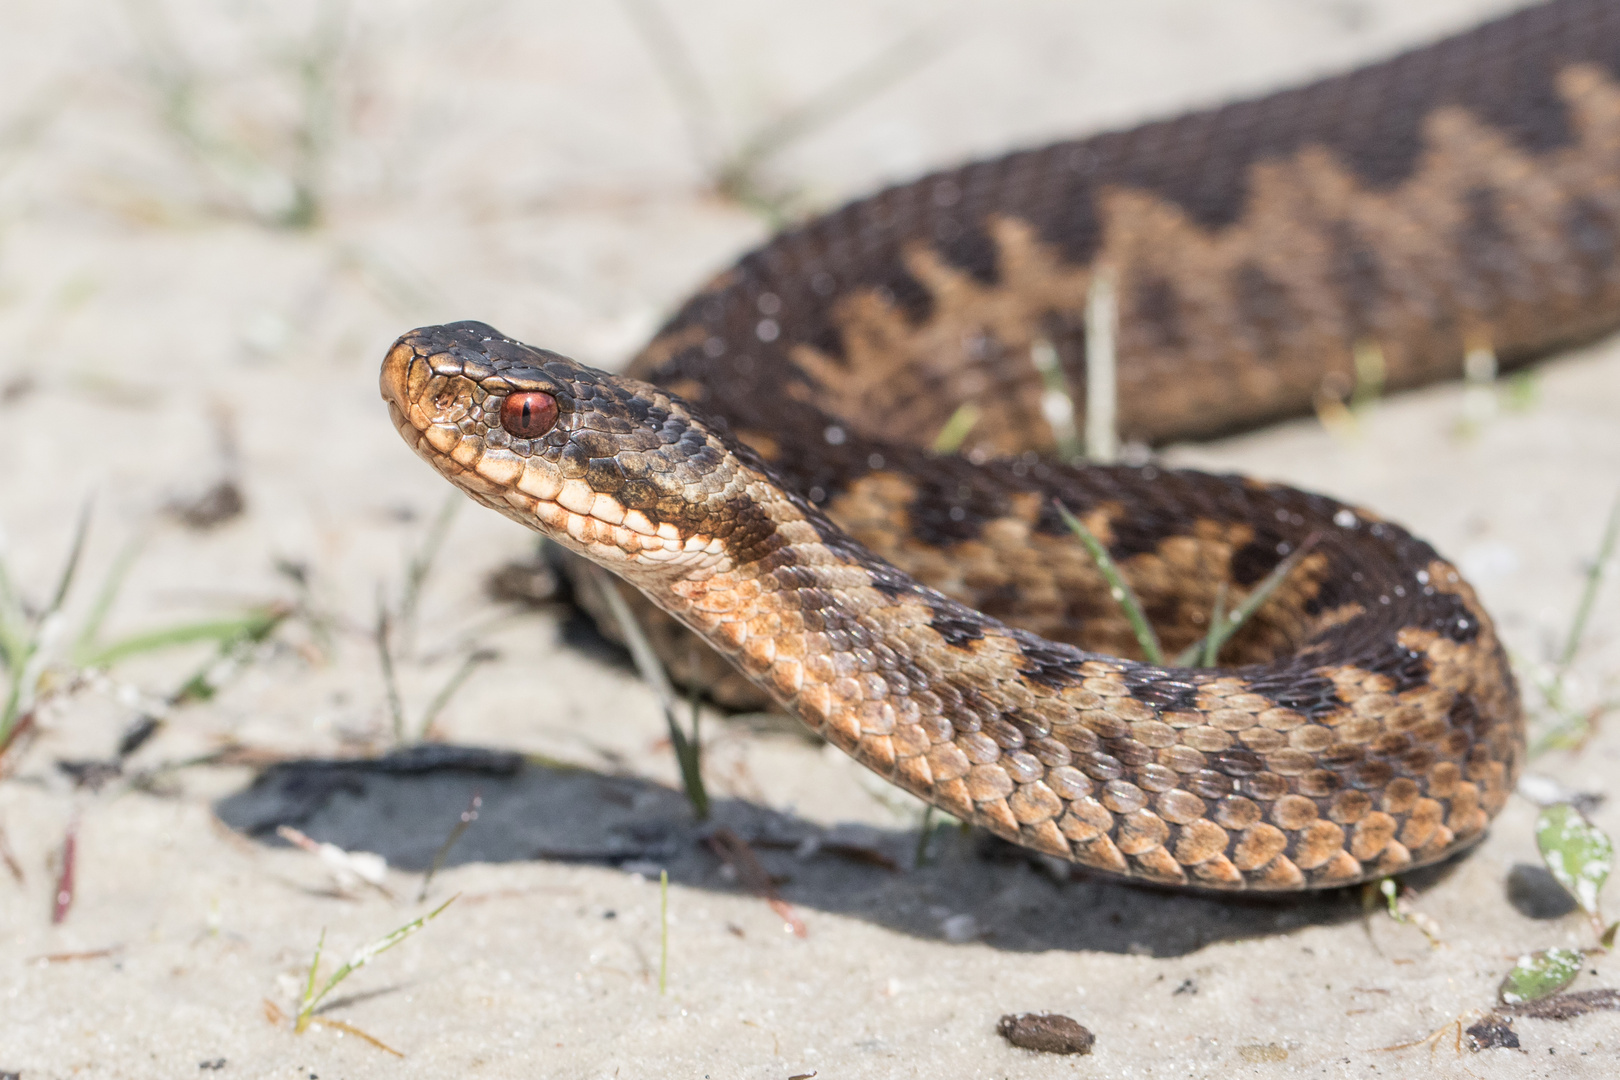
column 764, row 474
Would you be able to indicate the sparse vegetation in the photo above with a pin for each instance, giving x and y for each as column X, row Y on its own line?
column 736, row 167
column 273, row 175
column 309, row 1004
column 395, row 631
column 1563, row 722
column 45, row 662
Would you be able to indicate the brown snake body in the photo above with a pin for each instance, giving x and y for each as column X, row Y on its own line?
column 770, row 486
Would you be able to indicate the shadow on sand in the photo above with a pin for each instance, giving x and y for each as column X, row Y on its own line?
column 974, row 887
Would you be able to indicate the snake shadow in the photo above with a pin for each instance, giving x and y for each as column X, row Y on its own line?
column 973, row 887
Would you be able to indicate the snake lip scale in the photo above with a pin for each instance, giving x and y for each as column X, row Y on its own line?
column 1375, row 728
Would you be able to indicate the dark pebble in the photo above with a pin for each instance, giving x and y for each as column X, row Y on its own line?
column 1049, row 1033
column 1536, row 894
column 1493, row 1032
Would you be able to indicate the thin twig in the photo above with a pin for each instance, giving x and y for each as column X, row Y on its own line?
column 9, row 857
column 736, row 176
column 753, row 875
column 349, row 1029
column 385, row 658
column 457, row 831
column 66, row 873
column 733, row 170
column 675, row 65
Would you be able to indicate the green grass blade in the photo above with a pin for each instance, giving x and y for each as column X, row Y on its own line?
column 13, row 621
column 306, row 1004
column 1220, row 633
column 223, row 631
column 1117, row 586
column 363, row 956
column 421, row 564
column 663, row 931
column 1594, row 579
column 106, row 597
column 1057, row 400
column 1212, row 647
column 957, row 428
column 454, row 683
column 65, row 582
column 204, row 683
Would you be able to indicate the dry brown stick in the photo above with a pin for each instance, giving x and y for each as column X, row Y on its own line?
column 740, row 857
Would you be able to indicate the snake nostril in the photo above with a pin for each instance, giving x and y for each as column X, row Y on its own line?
column 529, row 416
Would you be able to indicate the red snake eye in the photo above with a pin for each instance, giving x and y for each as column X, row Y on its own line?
column 528, row 416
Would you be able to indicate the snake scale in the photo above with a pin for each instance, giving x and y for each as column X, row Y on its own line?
column 764, row 474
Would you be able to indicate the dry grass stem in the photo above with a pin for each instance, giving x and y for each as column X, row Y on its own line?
column 1102, row 381
column 457, row 831
column 688, row 750
column 736, row 852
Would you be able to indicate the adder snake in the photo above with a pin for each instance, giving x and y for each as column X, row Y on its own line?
column 770, row 485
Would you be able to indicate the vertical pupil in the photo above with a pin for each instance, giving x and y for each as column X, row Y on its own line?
column 529, row 415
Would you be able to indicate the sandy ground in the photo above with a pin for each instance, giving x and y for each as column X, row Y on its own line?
column 524, row 163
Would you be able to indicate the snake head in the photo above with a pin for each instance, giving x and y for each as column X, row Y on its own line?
column 611, row 467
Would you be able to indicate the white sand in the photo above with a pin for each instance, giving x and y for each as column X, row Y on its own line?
column 523, row 164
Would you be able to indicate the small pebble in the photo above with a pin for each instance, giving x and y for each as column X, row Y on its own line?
column 1050, row 1033
column 1492, row 1032
column 1536, row 894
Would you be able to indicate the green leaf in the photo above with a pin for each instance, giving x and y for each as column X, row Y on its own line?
column 1577, row 853
column 1540, row 974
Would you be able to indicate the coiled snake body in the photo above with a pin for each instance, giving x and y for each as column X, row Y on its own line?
column 770, row 483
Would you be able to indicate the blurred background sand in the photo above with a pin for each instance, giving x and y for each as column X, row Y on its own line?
column 215, row 216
